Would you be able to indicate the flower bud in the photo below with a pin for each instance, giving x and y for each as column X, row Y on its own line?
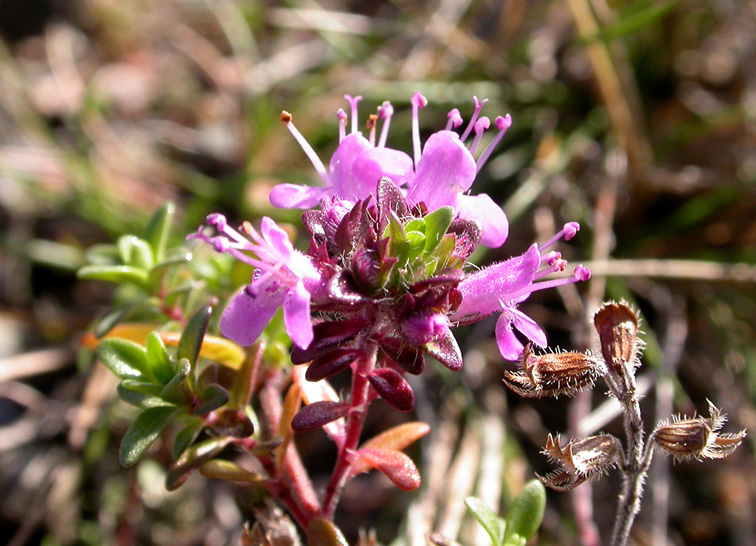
column 580, row 460
column 697, row 438
column 552, row 374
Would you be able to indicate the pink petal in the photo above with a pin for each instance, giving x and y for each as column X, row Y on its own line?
column 245, row 318
column 445, row 170
column 509, row 346
column 342, row 180
column 483, row 291
column 528, row 327
column 373, row 164
column 492, row 219
column 277, row 238
column 294, row 196
column 297, row 319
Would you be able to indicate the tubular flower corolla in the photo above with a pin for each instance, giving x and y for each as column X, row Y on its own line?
column 283, row 277
column 501, row 287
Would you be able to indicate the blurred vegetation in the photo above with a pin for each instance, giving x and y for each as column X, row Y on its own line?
column 636, row 118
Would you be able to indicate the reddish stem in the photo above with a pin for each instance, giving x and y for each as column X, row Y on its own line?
column 355, row 422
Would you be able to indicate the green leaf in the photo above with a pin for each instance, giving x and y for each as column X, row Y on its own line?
column 213, row 397
column 191, row 340
column 322, row 532
column 186, row 436
column 144, row 387
column 138, row 398
column 192, row 458
column 492, row 523
column 135, row 252
column 525, row 515
column 114, row 273
column 102, row 255
column 398, row 246
column 111, row 319
column 172, row 390
column 226, row 470
column 124, row 358
column 143, row 432
column 416, row 244
column 161, row 367
column 634, row 20
column 436, row 224
column 158, row 230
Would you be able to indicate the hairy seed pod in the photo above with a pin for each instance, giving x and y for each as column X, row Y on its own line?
column 617, row 327
column 580, row 459
column 552, row 374
column 697, row 437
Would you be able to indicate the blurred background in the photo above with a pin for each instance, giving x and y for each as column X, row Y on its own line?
column 636, row 118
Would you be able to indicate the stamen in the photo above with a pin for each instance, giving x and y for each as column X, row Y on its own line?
column 455, row 119
column 371, row 123
column 353, row 103
column 474, row 118
column 569, row 230
column 385, row 112
column 418, row 101
column 581, row 274
column 342, row 117
column 480, row 127
column 502, row 124
column 286, row 117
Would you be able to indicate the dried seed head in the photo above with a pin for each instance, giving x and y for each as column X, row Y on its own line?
column 697, row 437
column 580, row 460
column 552, row 374
column 617, row 326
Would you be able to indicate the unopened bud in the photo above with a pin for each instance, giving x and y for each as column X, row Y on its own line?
column 580, row 460
column 697, row 438
column 552, row 374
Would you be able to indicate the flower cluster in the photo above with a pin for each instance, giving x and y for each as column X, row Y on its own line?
column 385, row 273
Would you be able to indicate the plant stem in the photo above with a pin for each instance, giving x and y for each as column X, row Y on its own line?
column 355, row 421
column 635, row 468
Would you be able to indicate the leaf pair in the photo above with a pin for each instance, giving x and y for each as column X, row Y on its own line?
column 522, row 522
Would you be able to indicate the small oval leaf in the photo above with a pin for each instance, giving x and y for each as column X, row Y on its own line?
column 393, row 388
column 226, row 470
column 114, row 273
column 192, row 458
column 186, row 436
column 525, row 515
column 322, row 532
column 124, row 358
column 213, row 397
column 492, row 523
column 395, row 465
column 191, row 340
column 317, row 415
column 160, row 365
column 158, row 229
column 143, row 432
column 395, row 439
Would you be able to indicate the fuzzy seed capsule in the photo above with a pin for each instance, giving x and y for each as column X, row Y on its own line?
column 698, row 437
column 580, row 460
column 552, row 374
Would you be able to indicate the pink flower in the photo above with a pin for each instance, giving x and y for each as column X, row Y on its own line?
column 283, row 277
column 439, row 175
column 501, row 287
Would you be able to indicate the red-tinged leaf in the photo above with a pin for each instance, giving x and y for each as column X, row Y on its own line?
column 395, row 465
column 317, row 415
column 328, row 336
column 292, row 402
column 393, row 388
column 393, row 439
column 319, row 392
column 331, row 363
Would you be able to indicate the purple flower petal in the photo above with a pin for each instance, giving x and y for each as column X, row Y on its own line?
column 528, row 327
column 277, row 238
column 245, row 318
column 509, row 346
column 483, row 291
column 375, row 163
column 296, row 306
column 342, row 180
column 295, row 196
column 492, row 219
column 445, row 170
